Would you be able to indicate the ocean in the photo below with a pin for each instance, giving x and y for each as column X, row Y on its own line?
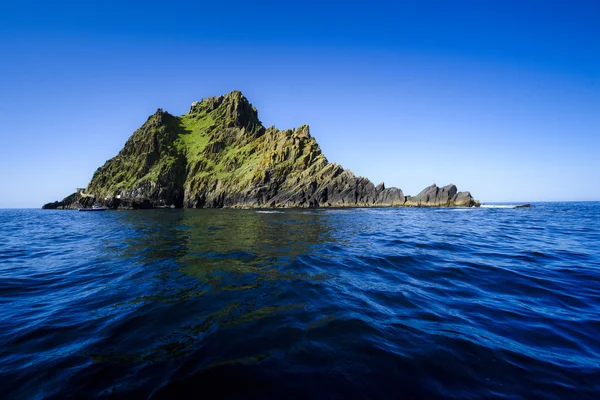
column 320, row 303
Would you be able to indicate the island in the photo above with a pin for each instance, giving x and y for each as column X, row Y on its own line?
column 219, row 155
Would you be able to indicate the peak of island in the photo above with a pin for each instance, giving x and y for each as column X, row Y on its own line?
column 219, row 154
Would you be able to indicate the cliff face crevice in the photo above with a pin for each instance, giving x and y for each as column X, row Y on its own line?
column 220, row 155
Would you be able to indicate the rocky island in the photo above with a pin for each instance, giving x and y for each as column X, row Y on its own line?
column 220, row 155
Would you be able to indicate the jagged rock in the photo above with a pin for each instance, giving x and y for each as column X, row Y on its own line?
column 220, row 155
column 447, row 196
column 392, row 197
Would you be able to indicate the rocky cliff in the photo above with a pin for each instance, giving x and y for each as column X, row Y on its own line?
column 220, row 155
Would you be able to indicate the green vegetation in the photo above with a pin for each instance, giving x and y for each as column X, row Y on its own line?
column 218, row 147
column 220, row 155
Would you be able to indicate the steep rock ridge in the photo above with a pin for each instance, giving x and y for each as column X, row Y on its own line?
column 149, row 170
column 220, row 155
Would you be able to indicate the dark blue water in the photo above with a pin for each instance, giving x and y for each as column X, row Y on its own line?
column 378, row 303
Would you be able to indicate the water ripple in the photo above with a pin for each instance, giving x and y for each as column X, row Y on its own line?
column 376, row 303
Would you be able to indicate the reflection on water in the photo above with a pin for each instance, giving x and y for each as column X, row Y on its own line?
column 236, row 260
column 367, row 303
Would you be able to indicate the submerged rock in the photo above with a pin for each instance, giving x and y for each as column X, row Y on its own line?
column 220, row 155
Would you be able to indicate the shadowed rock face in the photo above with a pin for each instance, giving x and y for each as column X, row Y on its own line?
column 447, row 196
column 220, row 155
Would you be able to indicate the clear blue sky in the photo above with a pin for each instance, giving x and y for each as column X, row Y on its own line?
column 501, row 98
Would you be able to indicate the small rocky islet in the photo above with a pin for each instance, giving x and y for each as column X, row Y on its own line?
column 220, row 155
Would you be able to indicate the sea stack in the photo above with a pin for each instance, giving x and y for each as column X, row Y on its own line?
column 220, row 155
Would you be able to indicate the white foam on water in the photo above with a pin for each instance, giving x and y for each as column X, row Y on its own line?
column 498, row 206
column 270, row 212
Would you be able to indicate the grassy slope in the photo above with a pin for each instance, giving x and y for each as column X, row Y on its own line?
column 218, row 147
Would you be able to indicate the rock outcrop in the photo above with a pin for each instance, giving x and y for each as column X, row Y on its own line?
column 69, row 202
column 220, row 155
column 447, row 196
